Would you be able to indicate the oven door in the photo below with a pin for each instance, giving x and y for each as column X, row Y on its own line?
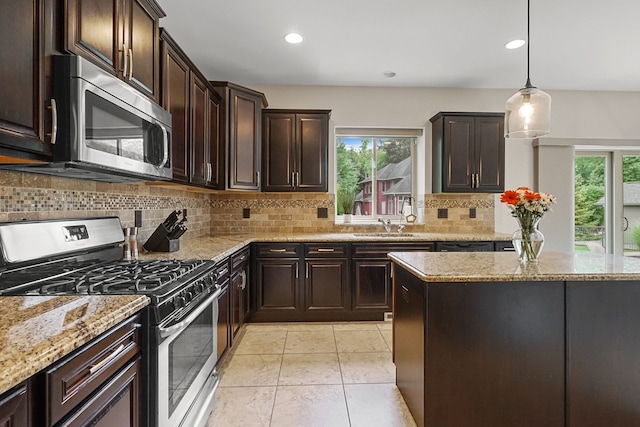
column 186, row 357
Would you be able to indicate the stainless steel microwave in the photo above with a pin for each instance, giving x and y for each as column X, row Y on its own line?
column 104, row 129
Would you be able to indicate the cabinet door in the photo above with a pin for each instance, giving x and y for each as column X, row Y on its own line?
column 14, row 407
column 603, row 368
column 458, row 154
column 199, row 150
column 141, row 37
column 489, row 154
column 277, row 296
column 24, row 88
column 175, row 99
column 244, row 140
column 215, row 147
column 223, row 322
column 94, row 31
column 326, row 286
column 312, row 151
column 372, row 285
column 409, row 313
column 279, row 140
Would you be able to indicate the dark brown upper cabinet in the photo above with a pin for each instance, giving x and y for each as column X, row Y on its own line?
column 468, row 152
column 240, row 131
column 197, row 154
column 26, row 41
column 295, row 150
column 122, row 36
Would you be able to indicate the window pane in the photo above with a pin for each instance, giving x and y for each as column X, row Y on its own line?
column 375, row 172
column 589, row 204
column 631, row 205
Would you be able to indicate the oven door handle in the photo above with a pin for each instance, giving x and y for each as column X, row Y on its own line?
column 178, row 327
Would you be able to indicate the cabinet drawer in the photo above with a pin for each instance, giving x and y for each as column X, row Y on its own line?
column 77, row 376
column 377, row 250
column 277, row 250
column 330, row 250
column 222, row 270
column 239, row 258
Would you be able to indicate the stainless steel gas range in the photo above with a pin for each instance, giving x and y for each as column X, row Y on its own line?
column 84, row 256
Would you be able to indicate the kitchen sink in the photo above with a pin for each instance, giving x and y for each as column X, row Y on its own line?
column 383, row 234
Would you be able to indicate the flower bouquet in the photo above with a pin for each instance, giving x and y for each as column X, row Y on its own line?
column 527, row 207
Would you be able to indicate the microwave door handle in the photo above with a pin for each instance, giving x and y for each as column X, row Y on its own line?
column 165, row 147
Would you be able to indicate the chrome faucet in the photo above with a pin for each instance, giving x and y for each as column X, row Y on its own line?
column 387, row 224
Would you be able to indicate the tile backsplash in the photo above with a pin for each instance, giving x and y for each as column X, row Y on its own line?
column 32, row 196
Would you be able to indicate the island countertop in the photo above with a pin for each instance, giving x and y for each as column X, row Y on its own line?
column 504, row 266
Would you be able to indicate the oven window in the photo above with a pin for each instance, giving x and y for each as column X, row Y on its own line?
column 188, row 354
column 114, row 130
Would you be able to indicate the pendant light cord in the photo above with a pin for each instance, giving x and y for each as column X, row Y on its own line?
column 528, row 84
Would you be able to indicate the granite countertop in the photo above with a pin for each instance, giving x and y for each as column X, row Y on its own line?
column 504, row 266
column 36, row 331
column 219, row 247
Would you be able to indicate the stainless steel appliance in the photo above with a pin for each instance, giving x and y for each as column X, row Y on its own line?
column 66, row 257
column 103, row 129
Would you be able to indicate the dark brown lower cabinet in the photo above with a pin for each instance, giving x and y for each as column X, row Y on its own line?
column 326, row 286
column 277, row 289
column 14, row 407
column 603, row 362
column 493, row 352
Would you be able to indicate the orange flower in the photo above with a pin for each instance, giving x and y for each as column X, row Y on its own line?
column 522, row 188
column 510, row 197
column 530, row 195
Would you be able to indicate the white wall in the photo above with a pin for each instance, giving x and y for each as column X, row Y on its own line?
column 581, row 115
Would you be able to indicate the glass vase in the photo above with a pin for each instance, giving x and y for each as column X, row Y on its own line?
column 528, row 240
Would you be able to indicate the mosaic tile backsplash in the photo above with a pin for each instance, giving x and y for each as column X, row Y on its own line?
column 32, row 196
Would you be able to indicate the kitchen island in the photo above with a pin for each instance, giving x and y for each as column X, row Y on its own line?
column 481, row 340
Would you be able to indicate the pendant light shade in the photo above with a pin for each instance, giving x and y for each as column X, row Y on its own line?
column 528, row 112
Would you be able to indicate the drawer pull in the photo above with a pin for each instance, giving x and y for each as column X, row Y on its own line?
column 326, row 250
column 95, row 368
column 277, row 250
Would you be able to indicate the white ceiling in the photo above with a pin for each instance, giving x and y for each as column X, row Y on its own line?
column 575, row 44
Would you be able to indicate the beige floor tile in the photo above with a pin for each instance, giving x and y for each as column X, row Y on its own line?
column 252, row 370
column 243, row 406
column 258, row 342
column 310, row 406
column 310, row 342
column 310, row 327
column 307, row 369
column 388, row 338
column 363, row 368
column 385, row 326
column 360, row 342
column 377, row 405
column 353, row 326
column 266, row 327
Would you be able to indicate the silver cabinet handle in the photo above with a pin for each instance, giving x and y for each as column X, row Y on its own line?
column 54, row 121
column 95, row 368
column 277, row 250
column 243, row 282
column 297, row 179
column 297, row 270
column 130, row 64
column 326, row 250
column 209, row 172
column 258, row 179
column 293, row 179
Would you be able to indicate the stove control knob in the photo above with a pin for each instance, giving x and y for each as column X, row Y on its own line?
column 199, row 287
column 188, row 296
column 179, row 302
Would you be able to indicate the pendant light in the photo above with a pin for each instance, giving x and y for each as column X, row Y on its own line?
column 528, row 112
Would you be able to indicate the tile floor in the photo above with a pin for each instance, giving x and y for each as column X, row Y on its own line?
column 311, row 375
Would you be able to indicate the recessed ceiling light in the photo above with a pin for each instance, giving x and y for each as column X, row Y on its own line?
column 389, row 74
column 514, row 44
column 293, row 38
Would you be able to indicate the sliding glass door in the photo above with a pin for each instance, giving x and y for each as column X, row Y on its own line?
column 607, row 202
